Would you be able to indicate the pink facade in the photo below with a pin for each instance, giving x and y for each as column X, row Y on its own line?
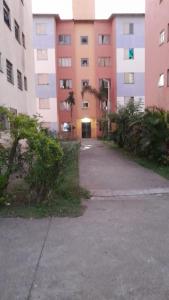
column 157, row 53
column 105, row 28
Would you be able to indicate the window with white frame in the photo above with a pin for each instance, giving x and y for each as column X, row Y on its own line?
column 129, row 78
column 43, row 79
column 1, row 67
column 128, row 28
column 44, row 103
column 128, row 53
column 9, row 72
column 168, row 77
column 19, row 80
column 66, row 127
column 42, row 54
column 84, row 82
column 105, row 83
column 85, row 104
column 104, row 39
column 41, row 28
column 84, row 62
column 84, row 40
column 65, row 83
column 23, row 40
column 17, row 32
column 162, row 37
column 65, row 62
column 64, row 39
column 25, row 83
column 104, row 61
column 161, row 80
column 7, row 17
column 64, row 106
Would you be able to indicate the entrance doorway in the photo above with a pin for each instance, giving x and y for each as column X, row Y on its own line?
column 86, row 130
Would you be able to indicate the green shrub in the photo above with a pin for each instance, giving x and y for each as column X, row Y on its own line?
column 145, row 134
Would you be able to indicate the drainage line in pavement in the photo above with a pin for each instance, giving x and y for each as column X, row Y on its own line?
column 39, row 259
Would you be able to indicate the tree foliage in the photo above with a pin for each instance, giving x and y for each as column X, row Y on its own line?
column 144, row 133
column 32, row 149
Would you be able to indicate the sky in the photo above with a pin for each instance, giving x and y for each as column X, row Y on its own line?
column 103, row 8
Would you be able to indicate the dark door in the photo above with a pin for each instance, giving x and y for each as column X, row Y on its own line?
column 86, row 130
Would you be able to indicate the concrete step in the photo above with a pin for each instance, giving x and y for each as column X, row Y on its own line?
column 112, row 193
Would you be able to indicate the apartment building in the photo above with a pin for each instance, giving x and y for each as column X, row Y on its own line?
column 90, row 52
column 17, row 88
column 157, row 49
column 130, row 59
column 44, row 44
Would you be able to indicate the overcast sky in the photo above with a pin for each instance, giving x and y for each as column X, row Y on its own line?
column 103, row 8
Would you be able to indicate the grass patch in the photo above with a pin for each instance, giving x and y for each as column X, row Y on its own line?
column 65, row 200
column 148, row 164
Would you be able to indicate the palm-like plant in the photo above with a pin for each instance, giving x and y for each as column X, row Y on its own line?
column 70, row 100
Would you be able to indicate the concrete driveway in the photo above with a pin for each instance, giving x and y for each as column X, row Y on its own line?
column 118, row 250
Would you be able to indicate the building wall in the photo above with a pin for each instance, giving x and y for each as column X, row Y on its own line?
column 65, row 51
column 83, row 10
column 104, row 28
column 46, row 92
column 136, row 65
column 85, row 73
column 157, row 61
column 21, row 58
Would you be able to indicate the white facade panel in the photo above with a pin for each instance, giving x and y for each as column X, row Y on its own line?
column 48, row 115
column 46, row 66
column 131, row 65
column 20, row 57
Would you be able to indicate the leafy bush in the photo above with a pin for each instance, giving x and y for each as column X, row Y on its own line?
column 145, row 134
column 39, row 157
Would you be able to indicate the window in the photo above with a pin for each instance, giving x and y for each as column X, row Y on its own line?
column 65, row 83
column 128, row 28
column 162, row 37
column 44, row 103
column 9, row 71
column 7, row 18
column 84, row 40
column 25, row 83
column 168, row 77
column 43, row 79
column 104, row 39
column 161, row 80
column 64, row 106
column 66, row 127
column 45, row 125
column 19, row 80
column 41, row 28
column 85, row 104
column 85, row 82
column 104, row 61
column 128, row 99
column 17, row 32
column 42, row 54
column 104, row 83
column 84, row 62
column 1, row 68
column 129, row 78
column 23, row 40
column 129, row 53
column 65, row 62
column 64, row 39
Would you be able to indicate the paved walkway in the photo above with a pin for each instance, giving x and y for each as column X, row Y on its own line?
column 107, row 172
column 118, row 250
